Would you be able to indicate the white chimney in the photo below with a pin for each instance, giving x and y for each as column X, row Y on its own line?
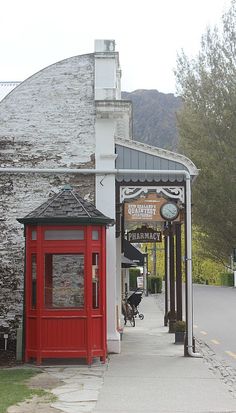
column 101, row 46
column 107, row 71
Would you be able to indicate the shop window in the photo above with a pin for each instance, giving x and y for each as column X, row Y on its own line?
column 33, row 280
column 64, row 280
column 95, row 280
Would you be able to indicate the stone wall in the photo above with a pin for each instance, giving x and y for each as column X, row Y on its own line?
column 48, row 121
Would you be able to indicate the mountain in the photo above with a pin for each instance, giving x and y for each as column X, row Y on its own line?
column 154, row 117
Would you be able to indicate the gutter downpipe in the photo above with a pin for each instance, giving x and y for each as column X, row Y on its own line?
column 189, row 270
column 188, row 220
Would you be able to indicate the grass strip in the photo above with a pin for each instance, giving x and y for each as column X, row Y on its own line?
column 13, row 388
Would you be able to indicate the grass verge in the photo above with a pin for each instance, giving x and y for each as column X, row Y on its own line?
column 13, row 388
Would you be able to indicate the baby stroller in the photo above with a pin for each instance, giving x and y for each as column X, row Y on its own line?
column 128, row 312
column 134, row 300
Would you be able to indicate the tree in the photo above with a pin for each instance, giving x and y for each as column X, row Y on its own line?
column 205, row 269
column 207, row 128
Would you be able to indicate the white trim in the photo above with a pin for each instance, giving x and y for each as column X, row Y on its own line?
column 129, row 192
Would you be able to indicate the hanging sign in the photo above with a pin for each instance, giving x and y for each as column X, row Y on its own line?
column 140, row 283
column 144, row 209
column 144, row 234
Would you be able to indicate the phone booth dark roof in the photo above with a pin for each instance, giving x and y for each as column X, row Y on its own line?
column 66, row 207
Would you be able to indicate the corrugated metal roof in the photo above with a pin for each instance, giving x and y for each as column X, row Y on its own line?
column 136, row 155
column 7, row 87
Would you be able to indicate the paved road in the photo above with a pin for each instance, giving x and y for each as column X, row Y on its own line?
column 215, row 319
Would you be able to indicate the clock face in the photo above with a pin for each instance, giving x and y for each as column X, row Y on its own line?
column 169, row 211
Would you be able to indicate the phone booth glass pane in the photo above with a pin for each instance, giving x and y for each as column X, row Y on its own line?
column 33, row 281
column 72, row 234
column 64, row 280
column 96, row 281
column 34, row 235
column 95, row 235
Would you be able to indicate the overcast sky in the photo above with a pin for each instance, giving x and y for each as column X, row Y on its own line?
column 148, row 34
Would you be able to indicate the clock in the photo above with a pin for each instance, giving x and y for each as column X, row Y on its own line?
column 169, row 211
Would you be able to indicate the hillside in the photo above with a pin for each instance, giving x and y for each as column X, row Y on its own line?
column 154, row 117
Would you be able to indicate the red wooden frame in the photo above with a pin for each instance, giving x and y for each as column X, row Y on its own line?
column 65, row 332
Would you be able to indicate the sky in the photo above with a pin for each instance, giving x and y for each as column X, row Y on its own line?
column 148, row 34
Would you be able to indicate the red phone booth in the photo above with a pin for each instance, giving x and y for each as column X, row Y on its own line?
column 65, row 279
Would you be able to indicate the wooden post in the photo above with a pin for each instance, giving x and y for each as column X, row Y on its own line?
column 172, row 280
column 166, row 281
column 179, row 310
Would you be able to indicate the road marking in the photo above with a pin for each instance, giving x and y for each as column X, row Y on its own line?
column 230, row 353
column 215, row 341
column 203, row 332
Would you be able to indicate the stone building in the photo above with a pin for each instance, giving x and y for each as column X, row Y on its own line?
column 67, row 124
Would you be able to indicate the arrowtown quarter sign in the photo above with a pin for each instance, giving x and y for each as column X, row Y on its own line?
column 144, row 234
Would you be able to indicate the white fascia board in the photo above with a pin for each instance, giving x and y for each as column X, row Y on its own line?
column 161, row 153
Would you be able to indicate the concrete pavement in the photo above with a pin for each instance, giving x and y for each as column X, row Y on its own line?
column 151, row 374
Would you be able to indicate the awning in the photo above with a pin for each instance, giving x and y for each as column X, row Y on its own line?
column 126, row 263
column 133, row 254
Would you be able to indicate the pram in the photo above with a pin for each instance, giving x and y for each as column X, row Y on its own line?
column 128, row 312
column 134, row 300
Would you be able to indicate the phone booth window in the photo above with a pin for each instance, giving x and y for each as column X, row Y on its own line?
column 33, row 280
column 95, row 235
column 96, row 281
column 64, row 280
column 34, row 235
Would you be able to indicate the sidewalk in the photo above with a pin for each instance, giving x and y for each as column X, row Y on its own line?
column 151, row 374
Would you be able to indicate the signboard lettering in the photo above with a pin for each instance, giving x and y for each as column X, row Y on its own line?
column 144, row 235
column 144, row 209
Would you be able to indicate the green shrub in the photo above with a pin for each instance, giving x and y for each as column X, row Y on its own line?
column 133, row 274
column 180, row 326
column 154, row 284
column 227, row 279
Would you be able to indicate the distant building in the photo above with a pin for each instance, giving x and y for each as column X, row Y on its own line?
column 6, row 88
